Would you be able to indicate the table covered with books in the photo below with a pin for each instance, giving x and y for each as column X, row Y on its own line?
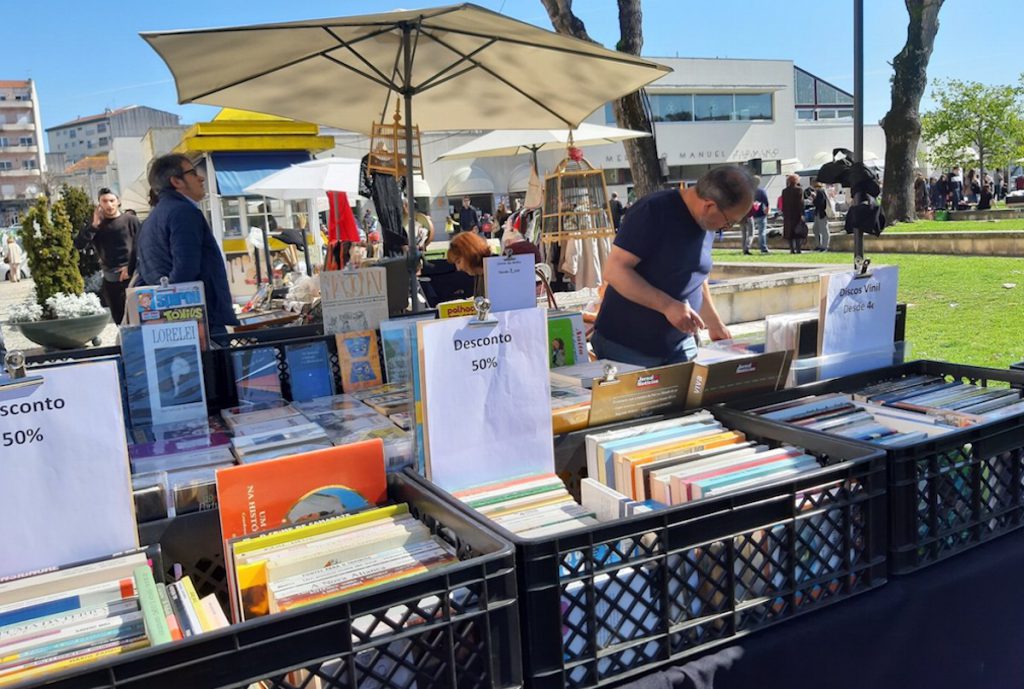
column 386, row 504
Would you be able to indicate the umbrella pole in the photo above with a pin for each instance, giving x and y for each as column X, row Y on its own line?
column 410, row 191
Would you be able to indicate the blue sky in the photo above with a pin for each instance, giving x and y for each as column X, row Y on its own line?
column 88, row 56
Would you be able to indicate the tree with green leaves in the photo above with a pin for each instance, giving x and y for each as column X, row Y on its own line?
column 80, row 209
column 974, row 122
column 46, row 236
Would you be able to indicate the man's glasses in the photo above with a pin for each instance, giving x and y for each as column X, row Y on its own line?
column 728, row 223
column 189, row 171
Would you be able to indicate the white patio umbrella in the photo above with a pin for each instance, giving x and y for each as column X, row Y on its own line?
column 463, row 66
column 511, row 142
column 310, row 179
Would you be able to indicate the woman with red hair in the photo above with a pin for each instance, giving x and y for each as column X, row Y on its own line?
column 467, row 252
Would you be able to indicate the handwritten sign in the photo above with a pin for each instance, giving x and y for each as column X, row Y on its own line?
column 857, row 320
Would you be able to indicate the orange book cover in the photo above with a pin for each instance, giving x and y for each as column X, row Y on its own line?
column 290, row 490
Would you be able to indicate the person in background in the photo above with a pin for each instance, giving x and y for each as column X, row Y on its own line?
column 616, row 207
column 920, row 194
column 112, row 233
column 956, row 189
column 500, row 216
column 985, row 198
column 792, row 213
column 176, row 241
column 469, row 217
column 467, row 252
column 12, row 257
column 940, row 192
column 997, row 178
column 658, row 297
column 820, row 217
column 756, row 220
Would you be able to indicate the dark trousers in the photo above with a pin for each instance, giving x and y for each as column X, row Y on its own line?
column 113, row 294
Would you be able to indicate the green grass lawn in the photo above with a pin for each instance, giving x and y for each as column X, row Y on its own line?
column 958, row 226
column 958, row 309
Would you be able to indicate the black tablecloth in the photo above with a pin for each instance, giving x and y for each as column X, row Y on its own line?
column 956, row 624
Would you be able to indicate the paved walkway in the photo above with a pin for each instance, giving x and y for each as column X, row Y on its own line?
column 13, row 293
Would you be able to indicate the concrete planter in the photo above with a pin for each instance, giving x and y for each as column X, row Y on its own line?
column 67, row 333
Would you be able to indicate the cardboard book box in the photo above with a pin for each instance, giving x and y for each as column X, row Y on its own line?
column 728, row 380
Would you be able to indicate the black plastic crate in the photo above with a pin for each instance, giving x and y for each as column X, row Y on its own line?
column 946, row 494
column 457, row 627
column 601, row 604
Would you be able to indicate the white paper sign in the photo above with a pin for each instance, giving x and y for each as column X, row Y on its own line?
column 858, row 321
column 510, row 282
column 65, row 483
column 487, row 403
column 353, row 299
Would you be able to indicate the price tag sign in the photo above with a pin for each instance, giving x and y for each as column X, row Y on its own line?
column 486, row 398
column 65, row 480
column 858, row 319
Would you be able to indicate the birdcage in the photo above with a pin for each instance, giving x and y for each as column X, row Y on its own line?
column 387, row 148
column 575, row 201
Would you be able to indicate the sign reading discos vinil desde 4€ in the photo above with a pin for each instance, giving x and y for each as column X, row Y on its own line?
column 486, row 398
column 65, row 480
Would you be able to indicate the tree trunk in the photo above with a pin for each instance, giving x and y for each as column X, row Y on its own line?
column 902, row 124
column 631, row 111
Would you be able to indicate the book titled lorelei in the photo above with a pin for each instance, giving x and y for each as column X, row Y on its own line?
column 164, row 373
column 353, row 299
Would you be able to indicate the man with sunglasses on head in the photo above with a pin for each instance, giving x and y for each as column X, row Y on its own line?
column 176, row 241
column 657, row 297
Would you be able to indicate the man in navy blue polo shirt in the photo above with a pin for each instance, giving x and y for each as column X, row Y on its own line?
column 657, row 296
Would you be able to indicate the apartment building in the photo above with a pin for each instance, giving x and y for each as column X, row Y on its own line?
column 22, row 162
column 94, row 134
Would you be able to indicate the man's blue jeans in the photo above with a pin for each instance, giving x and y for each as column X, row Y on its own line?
column 685, row 351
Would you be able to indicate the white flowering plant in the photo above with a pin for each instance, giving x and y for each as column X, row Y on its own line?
column 25, row 312
column 63, row 305
column 59, row 306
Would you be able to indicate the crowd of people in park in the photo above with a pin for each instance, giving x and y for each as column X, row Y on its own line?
column 956, row 191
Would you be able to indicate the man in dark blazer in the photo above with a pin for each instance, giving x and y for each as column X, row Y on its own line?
column 176, row 241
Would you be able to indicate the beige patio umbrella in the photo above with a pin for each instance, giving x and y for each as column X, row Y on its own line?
column 511, row 142
column 456, row 67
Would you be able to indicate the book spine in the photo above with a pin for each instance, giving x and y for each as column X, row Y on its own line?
column 214, row 612
column 152, row 611
column 69, row 660
column 192, row 599
column 169, row 616
column 62, row 602
column 177, row 600
column 42, row 625
column 331, row 578
column 75, row 638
